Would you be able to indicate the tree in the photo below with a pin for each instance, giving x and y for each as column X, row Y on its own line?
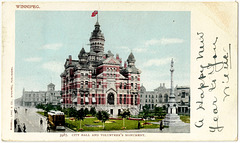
column 124, row 114
column 158, row 111
column 72, row 112
column 58, row 108
column 146, row 112
column 86, row 111
column 80, row 116
column 102, row 116
column 93, row 111
column 47, row 108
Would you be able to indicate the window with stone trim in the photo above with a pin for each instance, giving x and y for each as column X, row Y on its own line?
column 120, row 85
column 93, row 84
column 120, row 99
column 135, row 99
column 125, row 99
column 81, row 84
column 183, row 94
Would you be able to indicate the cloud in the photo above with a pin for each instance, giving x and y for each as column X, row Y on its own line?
column 54, row 46
column 53, row 66
column 163, row 41
column 139, row 50
column 33, row 59
column 135, row 50
column 124, row 48
column 156, row 62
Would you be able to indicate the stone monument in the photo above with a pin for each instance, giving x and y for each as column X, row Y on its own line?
column 172, row 118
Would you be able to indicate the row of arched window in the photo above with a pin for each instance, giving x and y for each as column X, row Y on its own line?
column 134, row 78
column 84, row 75
column 111, row 75
column 111, row 69
column 94, row 43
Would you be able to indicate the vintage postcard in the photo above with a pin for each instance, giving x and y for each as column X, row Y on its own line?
column 119, row 71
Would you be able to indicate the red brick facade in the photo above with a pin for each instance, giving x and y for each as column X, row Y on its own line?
column 99, row 80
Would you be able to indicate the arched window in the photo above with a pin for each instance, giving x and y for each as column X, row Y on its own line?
column 93, row 84
column 110, row 99
column 165, row 98
column 160, row 98
column 81, row 84
column 120, row 85
column 125, row 99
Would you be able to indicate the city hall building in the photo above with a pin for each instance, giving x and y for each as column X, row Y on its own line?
column 98, row 79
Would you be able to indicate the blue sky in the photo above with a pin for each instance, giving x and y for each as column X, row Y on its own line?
column 44, row 39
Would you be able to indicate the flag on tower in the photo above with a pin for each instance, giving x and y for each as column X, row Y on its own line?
column 94, row 13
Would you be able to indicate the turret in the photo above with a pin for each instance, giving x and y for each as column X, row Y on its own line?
column 82, row 56
column 97, row 39
column 131, row 60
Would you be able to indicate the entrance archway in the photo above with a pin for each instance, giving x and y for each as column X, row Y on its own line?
column 110, row 98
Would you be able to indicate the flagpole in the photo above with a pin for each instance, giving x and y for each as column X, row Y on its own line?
column 97, row 17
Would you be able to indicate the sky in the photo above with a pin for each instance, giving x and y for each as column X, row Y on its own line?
column 45, row 39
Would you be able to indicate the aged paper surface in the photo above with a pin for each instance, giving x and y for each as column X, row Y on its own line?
column 212, row 56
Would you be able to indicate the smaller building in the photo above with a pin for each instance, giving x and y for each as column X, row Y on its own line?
column 32, row 98
column 160, row 97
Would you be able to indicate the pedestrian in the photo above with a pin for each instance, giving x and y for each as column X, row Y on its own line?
column 48, row 128
column 19, row 128
column 138, row 125
column 24, row 128
column 41, row 121
column 161, row 125
column 15, row 123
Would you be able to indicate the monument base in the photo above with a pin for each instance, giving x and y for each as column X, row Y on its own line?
column 173, row 120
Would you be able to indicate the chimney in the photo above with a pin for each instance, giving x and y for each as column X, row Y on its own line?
column 125, row 64
column 160, row 84
column 163, row 84
column 117, row 56
column 70, row 59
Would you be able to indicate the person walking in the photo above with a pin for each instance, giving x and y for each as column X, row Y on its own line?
column 24, row 128
column 15, row 123
column 161, row 125
column 138, row 125
column 41, row 121
column 48, row 128
column 19, row 128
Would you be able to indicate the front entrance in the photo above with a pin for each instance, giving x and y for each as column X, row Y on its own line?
column 110, row 99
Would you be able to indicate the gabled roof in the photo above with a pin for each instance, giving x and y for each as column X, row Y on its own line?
column 111, row 61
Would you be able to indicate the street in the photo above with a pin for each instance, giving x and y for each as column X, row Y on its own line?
column 31, row 119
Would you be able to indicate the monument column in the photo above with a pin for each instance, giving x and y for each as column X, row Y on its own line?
column 172, row 118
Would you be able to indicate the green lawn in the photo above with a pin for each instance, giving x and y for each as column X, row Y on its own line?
column 185, row 118
column 42, row 113
column 116, row 125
